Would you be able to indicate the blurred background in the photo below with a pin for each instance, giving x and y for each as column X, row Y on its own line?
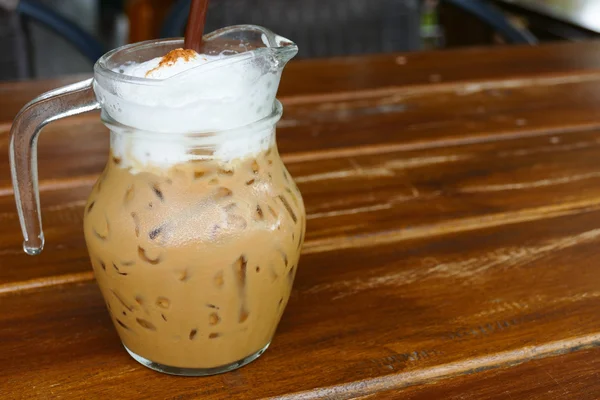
column 50, row 38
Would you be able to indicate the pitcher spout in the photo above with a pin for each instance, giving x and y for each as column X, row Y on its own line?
column 284, row 49
column 262, row 42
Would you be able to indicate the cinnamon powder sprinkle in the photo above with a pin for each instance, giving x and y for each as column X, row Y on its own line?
column 171, row 58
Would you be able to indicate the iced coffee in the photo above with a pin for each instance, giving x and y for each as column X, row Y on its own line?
column 195, row 226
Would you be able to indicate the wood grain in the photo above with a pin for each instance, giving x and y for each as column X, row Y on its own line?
column 553, row 377
column 398, row 119
column 351, row 74
column 388, row 197
column 453, row 227
column 392, row 334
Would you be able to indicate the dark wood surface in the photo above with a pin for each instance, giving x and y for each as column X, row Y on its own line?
column 453, row 205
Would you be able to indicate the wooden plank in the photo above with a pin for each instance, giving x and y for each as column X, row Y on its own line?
column 14, row 95
column 349, row 74
column 571, row 376
column 394, row 316
column 367, row 200
column 399, row 120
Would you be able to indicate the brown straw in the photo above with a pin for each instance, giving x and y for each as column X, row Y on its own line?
column 195, row 25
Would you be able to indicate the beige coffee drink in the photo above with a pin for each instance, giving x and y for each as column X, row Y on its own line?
column 196, row 262
column 195, row 227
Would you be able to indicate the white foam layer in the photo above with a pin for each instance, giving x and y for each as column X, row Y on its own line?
column 201, row 94
column 141, row 151
column 152, row 70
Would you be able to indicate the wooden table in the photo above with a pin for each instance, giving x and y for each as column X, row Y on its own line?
column 453, row 204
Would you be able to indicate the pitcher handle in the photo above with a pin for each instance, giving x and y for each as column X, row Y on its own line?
column 53, row 105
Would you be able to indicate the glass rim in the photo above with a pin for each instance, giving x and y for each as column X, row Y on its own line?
column 275, row 45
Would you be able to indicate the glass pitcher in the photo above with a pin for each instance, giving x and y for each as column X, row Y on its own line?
column 194, row 228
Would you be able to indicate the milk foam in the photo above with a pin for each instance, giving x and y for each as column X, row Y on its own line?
column 201, row 94
column 152, row 70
